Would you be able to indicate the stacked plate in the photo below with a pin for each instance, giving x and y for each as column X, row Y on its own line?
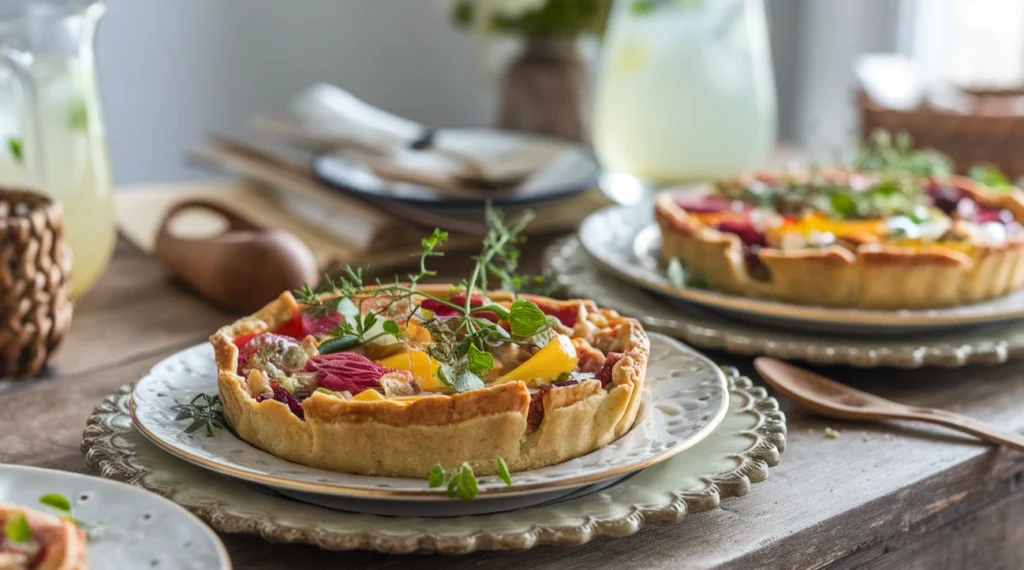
column 615, row 261
column 703, row 433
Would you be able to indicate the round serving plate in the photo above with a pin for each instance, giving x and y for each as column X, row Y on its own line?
column 625, row 241
column 724, row 464
column 684, row 400
column 565, row 168
column 580, row 276
column 127, row 526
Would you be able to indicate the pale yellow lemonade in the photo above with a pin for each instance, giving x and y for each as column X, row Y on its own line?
column 685, row 90
column 57, row 145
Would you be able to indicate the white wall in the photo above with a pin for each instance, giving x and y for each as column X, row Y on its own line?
column 172, row 70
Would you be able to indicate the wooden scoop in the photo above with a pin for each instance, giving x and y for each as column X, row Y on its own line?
column 241, row 268
column 830, row 398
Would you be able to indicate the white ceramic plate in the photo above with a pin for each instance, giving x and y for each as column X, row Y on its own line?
column 130, row 528
column 625, row 241
column 564, row 168
column 688, row 402
column 581, row 276
column 738, row 453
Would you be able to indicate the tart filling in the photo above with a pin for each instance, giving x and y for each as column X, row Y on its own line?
column 855, row 232
column 405, row 379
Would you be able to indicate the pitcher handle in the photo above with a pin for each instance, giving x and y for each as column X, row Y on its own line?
column 19, row 62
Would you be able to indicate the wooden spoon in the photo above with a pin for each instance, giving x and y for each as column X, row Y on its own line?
column 242, row 268
column 830, row 398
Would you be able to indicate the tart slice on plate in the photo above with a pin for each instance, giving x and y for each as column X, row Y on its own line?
column 404, row 379
column 33, row 540
column 849, row 239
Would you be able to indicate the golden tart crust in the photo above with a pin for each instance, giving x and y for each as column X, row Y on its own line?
column 406, row 437
column 65, row 543
column 871, row 276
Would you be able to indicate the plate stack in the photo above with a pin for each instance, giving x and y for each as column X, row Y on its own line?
column 615, row 260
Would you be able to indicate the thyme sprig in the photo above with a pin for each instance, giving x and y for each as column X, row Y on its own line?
column 204, row 410
column 460, row 342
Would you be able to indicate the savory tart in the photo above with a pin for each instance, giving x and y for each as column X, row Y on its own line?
column 33, row 540
column 398, row 379
column 846, row 238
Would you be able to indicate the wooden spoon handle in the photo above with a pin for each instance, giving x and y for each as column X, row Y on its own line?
column 970, row 425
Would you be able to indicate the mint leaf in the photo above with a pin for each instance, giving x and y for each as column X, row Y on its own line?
column 843, row 204
column 15, row 147
column 526, row 319
column 57, row 501
column 463, row 483
column 436, row 477
column 503, row 472
column 465, row 381
column 676, row 274
column 392, row 328
column 18, row 530
column 989, row 175
column 479, row 362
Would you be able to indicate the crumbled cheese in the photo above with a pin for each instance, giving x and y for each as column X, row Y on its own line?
column 831, row 433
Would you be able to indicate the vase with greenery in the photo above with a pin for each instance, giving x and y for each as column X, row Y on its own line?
column 545, row 87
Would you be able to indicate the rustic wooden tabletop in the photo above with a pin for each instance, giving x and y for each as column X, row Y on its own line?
column 880, row 496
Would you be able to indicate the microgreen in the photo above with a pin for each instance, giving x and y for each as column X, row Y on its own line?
column 990, row 175
column 462, row 482
column 503, row 472
column 16, row 149
column 17, row 529
column 204, row 410
column 680, row 278
column 885, row 153
column 56, row 501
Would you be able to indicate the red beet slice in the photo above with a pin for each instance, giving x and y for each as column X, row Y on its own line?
column 700, row 203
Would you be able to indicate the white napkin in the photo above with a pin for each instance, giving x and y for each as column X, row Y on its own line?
column 330, row 111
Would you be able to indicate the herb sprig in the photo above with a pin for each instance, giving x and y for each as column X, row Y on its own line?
column 460, row 341
column 18, row 530
column 462, row 482
column 204, row 410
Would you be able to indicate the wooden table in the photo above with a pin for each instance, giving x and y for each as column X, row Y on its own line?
column 879, row 496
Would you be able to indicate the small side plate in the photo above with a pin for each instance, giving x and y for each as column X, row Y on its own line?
column 128, row 527
column 625, row 241
column 687, row 400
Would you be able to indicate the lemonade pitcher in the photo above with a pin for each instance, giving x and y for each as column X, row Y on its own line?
column 51, row 129
column 686, row 90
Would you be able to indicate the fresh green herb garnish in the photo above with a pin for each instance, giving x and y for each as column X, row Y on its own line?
column 885, row 153
column 56, row 501
column 15, row 147
column 436, row 477
column 680, row 278
column 17, row 529
column 204, row 410
column 462, row 482
column 503, row 472
column 990, row 175
column 460, row 340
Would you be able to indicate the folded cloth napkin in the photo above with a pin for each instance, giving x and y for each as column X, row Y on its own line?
column 331, row 112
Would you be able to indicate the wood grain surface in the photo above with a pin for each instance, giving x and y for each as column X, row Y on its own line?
column 880, row 496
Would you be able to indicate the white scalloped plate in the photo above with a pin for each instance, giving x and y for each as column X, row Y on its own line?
column 738, row 453
column 688, row 402
column 132, row 528
column 624, row 241
column 580, row 276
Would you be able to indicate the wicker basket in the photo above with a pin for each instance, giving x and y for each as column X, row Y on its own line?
column 992, row 132
column 35, row 264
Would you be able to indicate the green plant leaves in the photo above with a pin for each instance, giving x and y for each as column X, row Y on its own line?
column 526, row 319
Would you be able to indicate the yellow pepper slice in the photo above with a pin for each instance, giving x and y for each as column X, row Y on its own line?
column 369, row 396
column 556, row 358
column 422, row 366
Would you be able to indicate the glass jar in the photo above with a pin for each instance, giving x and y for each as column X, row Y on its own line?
column 51, row 129
column 686, row 90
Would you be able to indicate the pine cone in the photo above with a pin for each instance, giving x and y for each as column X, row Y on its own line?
column 35, row 267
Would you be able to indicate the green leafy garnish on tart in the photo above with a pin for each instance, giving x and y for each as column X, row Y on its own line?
column 33, row 539
column 403, row 378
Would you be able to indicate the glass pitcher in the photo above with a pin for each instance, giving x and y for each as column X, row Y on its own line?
column 686, row 90
column 51, row 129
